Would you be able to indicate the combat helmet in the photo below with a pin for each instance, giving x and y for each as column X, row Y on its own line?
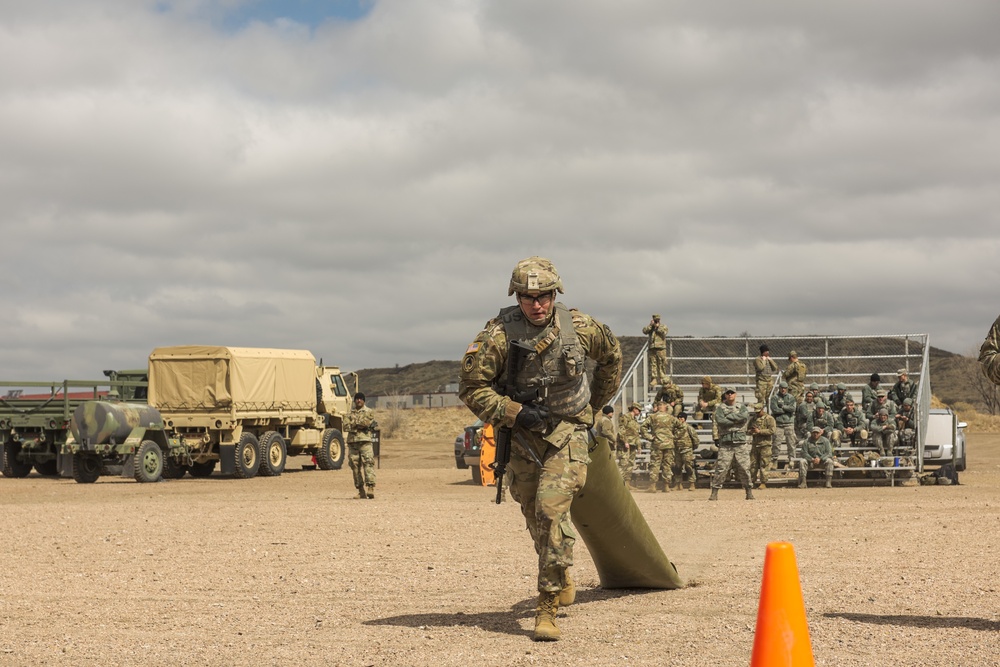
column 534, row 274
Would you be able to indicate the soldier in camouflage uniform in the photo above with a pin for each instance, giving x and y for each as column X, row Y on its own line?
column 628, row 441
column 838, row 399
column 989, row 353
column 906, row 425
column 709, row 397
column 882, row 402
column 822, row 418
column 852, row 428
column 903, row 389
column 604, row 426
column 883, row 433
column 795, row 376
column 673, row 396
column 549, row 447
column 803, row 413
column 734, row 448
column 783, row 410
column 760, row 428
column 360, row 424
column 817, row 453
column 685, row 442
column 868, row 392
column 657, row 334
column 765, row 368
column 659, row 430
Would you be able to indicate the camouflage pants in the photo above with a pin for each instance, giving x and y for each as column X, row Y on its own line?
column 763, row 390
column 545, row 495
column 361, row 457
column 784, row 436
column 626, row 462
column 684, row 461
column 661, row 465
column 856, row 439
column 884, row 441
column 657, row 366
column 798, row 391
column 908, row 438
column 805, row 466
column 760, row 462
column 732, row 456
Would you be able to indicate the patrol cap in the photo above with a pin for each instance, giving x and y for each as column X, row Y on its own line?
column 875, row 378
column 814, row 387
column 902, row 371
column 783, row 385
column 820, row 405
column 881, row 393
column 656, row 316
column 907, row 401
column 841, row 386
column 883, row 411
column 728, row 390
column 607, row 409
column 816, row 429
column 634, row 406
column 758, row 406
column 793, row 353
column 534, row 274
column 707, row 378
column 359, row 395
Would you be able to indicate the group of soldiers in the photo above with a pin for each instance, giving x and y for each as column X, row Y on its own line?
column 804, row 423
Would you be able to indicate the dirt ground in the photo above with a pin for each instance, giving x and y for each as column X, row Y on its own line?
column 295, row 571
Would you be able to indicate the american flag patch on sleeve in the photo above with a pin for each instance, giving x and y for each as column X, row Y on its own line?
column 473, row 348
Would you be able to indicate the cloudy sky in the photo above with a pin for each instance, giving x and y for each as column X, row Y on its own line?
column 358, row 177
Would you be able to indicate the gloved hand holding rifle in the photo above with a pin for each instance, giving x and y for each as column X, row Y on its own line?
column 532, row 417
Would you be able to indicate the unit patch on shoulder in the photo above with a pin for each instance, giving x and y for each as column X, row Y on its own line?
column 473, row 348
column 469, row 363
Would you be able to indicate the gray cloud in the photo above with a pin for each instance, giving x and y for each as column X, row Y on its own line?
column 362, row 189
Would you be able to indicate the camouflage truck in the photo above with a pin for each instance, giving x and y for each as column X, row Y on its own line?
column 34, row 426
column 247, row 409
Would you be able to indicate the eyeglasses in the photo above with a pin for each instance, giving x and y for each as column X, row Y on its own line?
column 542, row 299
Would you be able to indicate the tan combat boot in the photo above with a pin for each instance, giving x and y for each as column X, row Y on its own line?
column 749, row 490
column 545, row 618
column 715, row 494
column 361, row 493
column 567, row 595
column 829, row 483
column 370, row 492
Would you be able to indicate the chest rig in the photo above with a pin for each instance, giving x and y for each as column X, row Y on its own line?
column 554, row 364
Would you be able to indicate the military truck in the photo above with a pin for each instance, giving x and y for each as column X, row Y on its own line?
column 34, row 426
column 247, row 409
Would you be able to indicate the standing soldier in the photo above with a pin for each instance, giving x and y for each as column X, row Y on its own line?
column 903, row 389
column 734, row 448
column 549, row 447
column 604, row 427
column 989, row 353
column 795, row 376
column 685, row 442
column 765, row 368
column 817, row 452
column 657, row 334
column 783, row 411
column 709, row 397
column 761, row 429
column 659, row 428
column 360, row 424
column 628, row 441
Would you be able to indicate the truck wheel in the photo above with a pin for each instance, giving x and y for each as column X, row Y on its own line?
column 148, row 462
column 172, row 468
column 12, row 466
column 331, row 451
column 204, row 469
column 86, row 467
column 272, row 454
column 47, row 468
column 247, row 457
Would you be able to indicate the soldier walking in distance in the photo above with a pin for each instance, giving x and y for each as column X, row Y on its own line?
column 734, row 448
column 760, row 428
column 795, row 376
column 360, row 424
column 628, row 441
column 765, row 368
column 657, row 334
column 551, row 419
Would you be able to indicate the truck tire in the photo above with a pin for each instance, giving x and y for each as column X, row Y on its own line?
column 172, row 468
column 148, row 462
column 12, row 467
column 203, row 469
column 47, row 468
column 331, row 451
column 86, row 467
column 247, row 461
column 273, row 454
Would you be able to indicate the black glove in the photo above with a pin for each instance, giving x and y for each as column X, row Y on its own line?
column 532, row 418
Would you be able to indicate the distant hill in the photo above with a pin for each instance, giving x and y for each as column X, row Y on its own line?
column 950, row 374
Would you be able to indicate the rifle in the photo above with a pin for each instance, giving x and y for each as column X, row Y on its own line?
column 515, row 350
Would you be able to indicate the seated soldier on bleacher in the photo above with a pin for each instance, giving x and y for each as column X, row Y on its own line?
column 852, row 428
column 868, row 393
column 817, row 453
column 672, row 395
column 906, row 426
column 883, row 433
column 882, row 402
column 821, row 417
column 838, row 399
column 803, row 413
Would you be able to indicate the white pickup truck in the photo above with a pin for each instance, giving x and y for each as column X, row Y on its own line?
column 945, row 441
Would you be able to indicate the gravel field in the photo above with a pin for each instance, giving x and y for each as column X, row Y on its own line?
column 294, row 570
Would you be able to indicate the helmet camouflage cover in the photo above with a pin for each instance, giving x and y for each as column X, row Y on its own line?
column 534, row 274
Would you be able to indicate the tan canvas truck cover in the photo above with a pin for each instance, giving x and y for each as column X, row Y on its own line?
column 199, row 377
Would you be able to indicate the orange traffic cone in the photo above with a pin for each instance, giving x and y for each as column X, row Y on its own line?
column 782, row 634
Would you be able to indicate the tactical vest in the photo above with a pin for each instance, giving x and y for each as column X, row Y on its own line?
column 556, row 366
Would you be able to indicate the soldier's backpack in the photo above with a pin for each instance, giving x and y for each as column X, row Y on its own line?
column 856, row 460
